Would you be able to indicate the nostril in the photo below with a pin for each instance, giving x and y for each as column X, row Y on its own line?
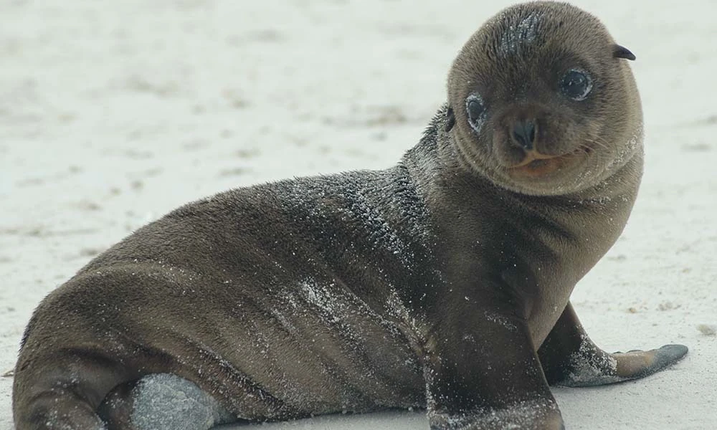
column 524, row 133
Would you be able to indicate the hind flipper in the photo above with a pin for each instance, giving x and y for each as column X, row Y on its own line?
column 162, row 401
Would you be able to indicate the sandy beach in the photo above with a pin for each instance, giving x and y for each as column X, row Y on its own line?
column 112, row 114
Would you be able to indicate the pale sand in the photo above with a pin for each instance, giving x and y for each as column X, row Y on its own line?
column 113, row 113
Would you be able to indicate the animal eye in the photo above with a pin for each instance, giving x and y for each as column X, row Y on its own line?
column 576, row 84
column 476, row 112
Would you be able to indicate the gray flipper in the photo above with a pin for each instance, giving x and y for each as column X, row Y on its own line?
column 163, row 402
column 569, row 358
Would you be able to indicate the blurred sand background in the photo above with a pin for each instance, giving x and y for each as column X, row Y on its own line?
column 113, row 113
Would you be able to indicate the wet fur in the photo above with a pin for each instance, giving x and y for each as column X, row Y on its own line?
column 430, row 284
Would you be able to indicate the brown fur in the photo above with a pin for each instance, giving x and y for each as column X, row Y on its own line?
column 443, row 282
column 524, row 85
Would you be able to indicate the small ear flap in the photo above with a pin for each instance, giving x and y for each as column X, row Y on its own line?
column 450, row 119
column 622, row 52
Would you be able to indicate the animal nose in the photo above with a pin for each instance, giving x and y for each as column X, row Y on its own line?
column 524, row 134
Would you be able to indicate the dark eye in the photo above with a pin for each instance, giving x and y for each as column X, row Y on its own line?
column 576, row 84
column 476, row 112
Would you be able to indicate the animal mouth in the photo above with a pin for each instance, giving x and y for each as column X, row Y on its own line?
column 536, row 164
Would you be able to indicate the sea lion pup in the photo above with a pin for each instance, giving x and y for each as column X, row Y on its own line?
column 443, row 282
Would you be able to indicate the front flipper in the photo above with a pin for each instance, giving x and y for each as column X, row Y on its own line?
column 570, row 358
column 482, row 371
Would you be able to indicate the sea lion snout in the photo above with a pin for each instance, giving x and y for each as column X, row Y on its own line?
column 523, row 133
column 520, row 132
column 531, row 142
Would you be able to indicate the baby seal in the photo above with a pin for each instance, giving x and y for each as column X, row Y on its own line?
column 443, row 282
